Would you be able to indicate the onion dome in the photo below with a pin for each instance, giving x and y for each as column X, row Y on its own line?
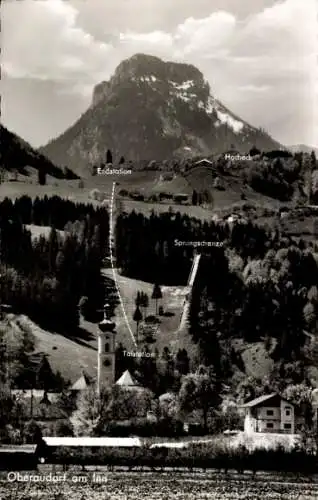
column 106, row 325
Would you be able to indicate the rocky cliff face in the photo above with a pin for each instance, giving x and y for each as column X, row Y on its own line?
column 151, row 109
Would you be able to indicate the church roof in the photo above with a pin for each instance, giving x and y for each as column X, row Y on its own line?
column 126, row 380
column 82, row 383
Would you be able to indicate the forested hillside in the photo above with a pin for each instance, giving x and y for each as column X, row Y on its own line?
column 220, row 179
column 16, row 154
column 258, row 286
column 46, row 277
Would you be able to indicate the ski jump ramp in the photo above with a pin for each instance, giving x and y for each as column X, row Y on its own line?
column 186, row 307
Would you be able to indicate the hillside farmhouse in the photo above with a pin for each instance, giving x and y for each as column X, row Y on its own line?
column 204, row 163
column 271, row 413
column 169, row 176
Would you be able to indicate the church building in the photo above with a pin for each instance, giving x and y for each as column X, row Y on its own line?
column 106, row 361
column 106, row 352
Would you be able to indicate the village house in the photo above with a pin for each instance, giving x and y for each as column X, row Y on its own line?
column 181, row 198
column 271, row 413
column 39, row 404
column 204, row 163
column 168, row 176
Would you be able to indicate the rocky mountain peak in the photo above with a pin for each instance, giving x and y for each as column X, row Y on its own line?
column 144, row 70
column 152, row 109
column 142, row 65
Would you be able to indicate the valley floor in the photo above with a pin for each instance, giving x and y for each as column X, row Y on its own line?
column 167, row 485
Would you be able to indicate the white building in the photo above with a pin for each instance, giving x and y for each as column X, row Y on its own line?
column 126, row 381
column 106, row 353
column 270, row 413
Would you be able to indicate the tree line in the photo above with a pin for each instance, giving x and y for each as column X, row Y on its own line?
column 147, row 247
column 45, row 276
column 271, row 299
column 259, row 286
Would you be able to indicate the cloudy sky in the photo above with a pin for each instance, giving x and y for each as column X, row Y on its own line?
column 259, row 56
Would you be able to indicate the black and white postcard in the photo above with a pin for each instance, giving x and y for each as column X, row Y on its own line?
column 159, row 250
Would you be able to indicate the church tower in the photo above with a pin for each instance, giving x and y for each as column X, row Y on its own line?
column 106, row 352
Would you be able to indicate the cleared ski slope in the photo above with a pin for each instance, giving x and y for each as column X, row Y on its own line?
column 186, row 307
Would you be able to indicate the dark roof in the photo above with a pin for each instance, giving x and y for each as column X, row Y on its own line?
column 261, row 399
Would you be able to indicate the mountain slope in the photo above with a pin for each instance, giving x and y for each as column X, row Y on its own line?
column 151, row 109
column 16, row 154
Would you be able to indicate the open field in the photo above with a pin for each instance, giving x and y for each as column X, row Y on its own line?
column 164, row 486
column 64, row 189
column 37, row 231
column 256, row 359
column 147, row 208
column 147, row 183
column 172, row 302
column 68, row 355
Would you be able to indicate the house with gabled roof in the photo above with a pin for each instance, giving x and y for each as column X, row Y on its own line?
column 126, row 381
column 271, row 413
column 82, row 383
column 204, row 162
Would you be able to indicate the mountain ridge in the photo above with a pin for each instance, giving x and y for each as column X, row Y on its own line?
column 151, row 109
column 17, row 154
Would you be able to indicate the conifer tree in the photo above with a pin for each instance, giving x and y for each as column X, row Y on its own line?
column 194, row 198
column 41, row 177
column 45, row 375
column 144, row 302
column 109, row 156
column 138, row 299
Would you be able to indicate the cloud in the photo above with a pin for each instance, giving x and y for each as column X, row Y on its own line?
column 203, row 37
column 254, row 88
column 157, row 43
column 48, row 44
column 51, row 45
column 206, row 35
column 153, row 38
column 262, row 65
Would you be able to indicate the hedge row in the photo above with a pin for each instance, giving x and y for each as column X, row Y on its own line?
column 198, row 456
